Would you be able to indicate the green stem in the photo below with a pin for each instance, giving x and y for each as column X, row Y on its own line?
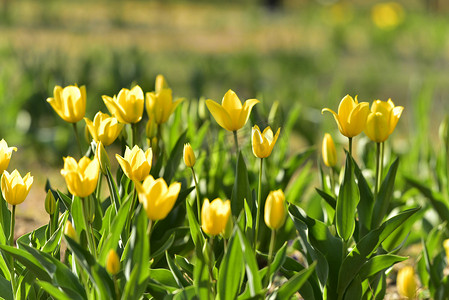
column 378, row 174
column 236, row 141
column 350, row 146
column 134, row 134
column 114, row 200
column 211, row 268
column 98, row 191
column 131, row 210
column 89, row 233
column 198, row 200
column 149, row 228
column 11, row 243
column 333, row 174
column 270, row 257
column 382, row 151
column 78, row 141
column 117, row 291
column 259, row 201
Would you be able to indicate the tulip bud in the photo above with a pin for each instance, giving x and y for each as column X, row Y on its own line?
column 5, row 155
column 103, row 158
column 50, row 203
column 406, row 282
column 189, row 156
column 328, row 151
column 215, row 215
column 70, row 231
column 446, row 248
column 275, row 211
column 112, row 262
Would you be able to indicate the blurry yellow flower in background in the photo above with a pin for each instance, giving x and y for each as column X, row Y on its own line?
column 81, row 177
column 406, row 282
column 69, row 102
column 215, row 215
column 387, row 15
column 328, row 151
column 263, row 143
column 136, row 164
column 156, row 197
column 70, row 231
column 351, row 116
column 160, row 103
column 382, row 120
column 231, row 114
column 5, row 155
column 275, row 210
column 15, row 188
column 446, row 248
column 127, row 106
column 112, row 262
column 104, row 128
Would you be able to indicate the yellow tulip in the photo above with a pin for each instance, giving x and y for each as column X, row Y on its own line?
column 275, row 210
column 136, row 164
column 215, row 215
column 263, row 143
column 81, row 177
column 5, row 155
column 104, row 128
column 156, row 197
column 112, row 262
column 127, row 106
column 351, row 117
column 161, row 83
column 70, row 231
column 15, row 188
column 328, row 151
column 387, row 15
column 231, row 114
column 189, row 156
column 406, row 282
column 160, row 104
column 69, row 102
column 382, row 120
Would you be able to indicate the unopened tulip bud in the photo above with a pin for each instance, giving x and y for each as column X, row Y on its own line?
column 103, row 158
column 328, row 151
column 189, row 156
column 406, row 282
column 50, row 203
column 275, row 211
column 70, row 231
column 112, row 262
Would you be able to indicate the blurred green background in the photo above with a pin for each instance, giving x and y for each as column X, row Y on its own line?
column 308, row 53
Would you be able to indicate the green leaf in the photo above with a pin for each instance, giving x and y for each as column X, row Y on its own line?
column 53, row 290
column 5, row 287
column 366, row 246
column 347, row 201
column 177, row 274
column 231, row 272
column 66, row 201
column 279, row 259
column 241, row 189
column 385, row 195
column 174, row 160
column 5, row 221
column 201, row 279
column 164, row 247
column 113, row 190
column 195, row 231
column 185, row 265
column 365, row 206
column 295, row 283
column 252, row 270
column 328, row 198
column 354, row 290
column 379, row 263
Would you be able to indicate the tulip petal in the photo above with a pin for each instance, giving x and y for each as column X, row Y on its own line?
column 246, row 111
column 394, row 117
column 345, row 107
column 357, row 119
column 220, row 115
column 337, row 120
column 231, row 102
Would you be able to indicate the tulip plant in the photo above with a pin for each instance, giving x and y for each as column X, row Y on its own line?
column 153, row 233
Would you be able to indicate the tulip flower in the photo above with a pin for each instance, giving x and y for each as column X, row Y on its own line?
column 104, row 128
column 351, row 117
column 189, row 156
column 231, row 114
column 127, row 106
column 156, row 197
column 275, row 210
column 69, row 102
column 328, row 151
column 382, row 120
column 263, row 143
column 112, row 262
column 446, row 248
column 160, row 103
column 81, row 177
column 136, row 164
column 15, row 188
column 70, row 231
column 5, row 155
column 406, row 282
column 215, row 215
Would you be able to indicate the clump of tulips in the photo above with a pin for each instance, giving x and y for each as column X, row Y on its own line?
column 154, row 233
